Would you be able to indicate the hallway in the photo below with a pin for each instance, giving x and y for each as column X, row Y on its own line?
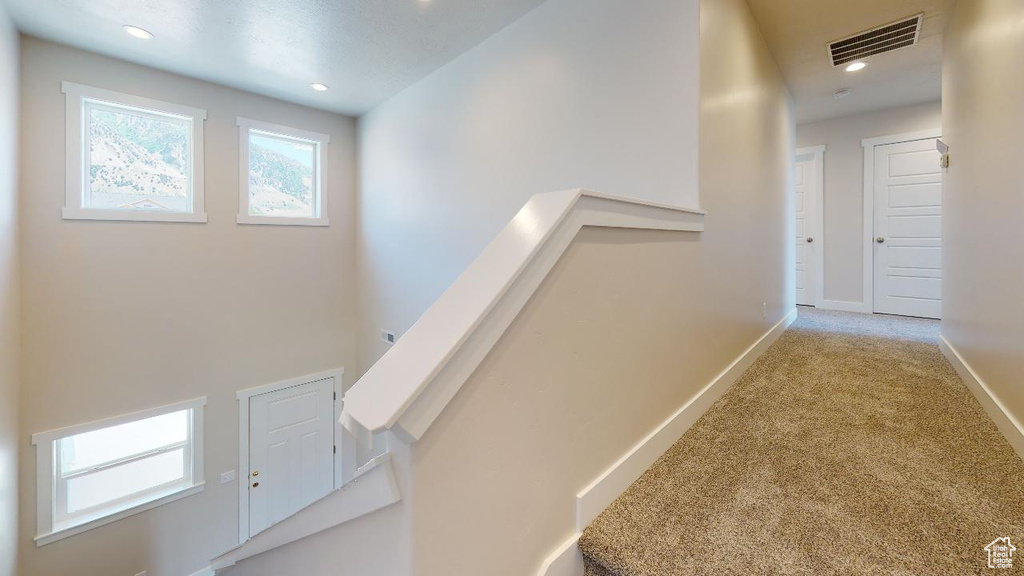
column 850, row 447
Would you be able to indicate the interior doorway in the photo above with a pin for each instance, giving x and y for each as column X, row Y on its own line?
column 808, row 185
column 903, row 225
column 292, row 450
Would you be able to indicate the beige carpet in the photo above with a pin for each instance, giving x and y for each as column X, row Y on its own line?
column 850, row 447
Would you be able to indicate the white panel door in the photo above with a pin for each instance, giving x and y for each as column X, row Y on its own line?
column 291, row 445
column 805, row 198
column 908, row 229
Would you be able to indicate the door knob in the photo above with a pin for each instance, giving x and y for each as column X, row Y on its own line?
column 880, row 240
column 255, row 484
column 809, row 240
column 255, row 472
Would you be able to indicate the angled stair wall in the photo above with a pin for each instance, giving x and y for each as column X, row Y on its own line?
column 597, row 334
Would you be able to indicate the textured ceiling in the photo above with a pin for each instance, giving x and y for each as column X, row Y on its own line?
column 365, row 50
column 798, row 33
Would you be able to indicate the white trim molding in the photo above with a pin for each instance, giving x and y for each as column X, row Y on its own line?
column 1009, row 426
column 819, row 149
column 277, row 131
column 45, row 539
column 566, row 559
column 818, row 152
column 902, row 137
column 51, row 526
column 344, row 457
column 868, row 238
column 844, row 306
column 406, row 390
column 77, row 96
column 245, row 394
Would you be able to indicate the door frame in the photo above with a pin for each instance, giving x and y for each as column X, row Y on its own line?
column 344, row 456
column 818, row 152
column 868, row 238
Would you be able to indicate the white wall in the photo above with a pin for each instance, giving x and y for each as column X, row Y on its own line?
column 747, row 152
column 844, row 186
column 629, row 324
column 10, row 308
column 123, row 316
column 626, row 329
column 983, row 203
column 578, row 93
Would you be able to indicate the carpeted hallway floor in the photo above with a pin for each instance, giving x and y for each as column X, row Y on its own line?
column 850, row 447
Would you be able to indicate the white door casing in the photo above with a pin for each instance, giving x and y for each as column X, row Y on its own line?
column 291, row 451
column 907, row 229
column 807, row 199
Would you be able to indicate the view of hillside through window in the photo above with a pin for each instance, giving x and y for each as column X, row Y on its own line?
column 281, row 176
column 137, row 161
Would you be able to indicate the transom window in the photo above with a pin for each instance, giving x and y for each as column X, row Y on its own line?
column 281, row 175
column 103, row 471
column 132, row 158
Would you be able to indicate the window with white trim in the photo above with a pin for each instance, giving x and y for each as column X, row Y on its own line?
column 96, row 473
column 132, row 158
column 281, row 175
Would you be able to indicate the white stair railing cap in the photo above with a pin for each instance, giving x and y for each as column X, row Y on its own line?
column 390, row 387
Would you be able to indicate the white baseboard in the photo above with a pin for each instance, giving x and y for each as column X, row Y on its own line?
column 1005, row 422
column 565, row 561
column 592, row 500
column 204, row 572
column 844, row 306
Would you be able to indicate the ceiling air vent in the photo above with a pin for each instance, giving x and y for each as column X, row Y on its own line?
column 876, row 41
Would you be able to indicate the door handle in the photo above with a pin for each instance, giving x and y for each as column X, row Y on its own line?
column 809, row 240
column 255, row 484
column 880, row 240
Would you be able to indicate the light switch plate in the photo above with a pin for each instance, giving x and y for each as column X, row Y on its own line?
column 226, row 477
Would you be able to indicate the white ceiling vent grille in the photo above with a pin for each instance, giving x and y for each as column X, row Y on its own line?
column 876, row 41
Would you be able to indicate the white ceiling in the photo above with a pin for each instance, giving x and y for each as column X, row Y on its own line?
column 799, row 31
column 365, row 50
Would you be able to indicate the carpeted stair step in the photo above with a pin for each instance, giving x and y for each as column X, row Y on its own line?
column 850, row 447
column 592, row 567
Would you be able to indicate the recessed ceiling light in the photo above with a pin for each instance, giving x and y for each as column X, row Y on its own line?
column 137, row 32
column 855, row 66
column 841, row 93
column 318, row 87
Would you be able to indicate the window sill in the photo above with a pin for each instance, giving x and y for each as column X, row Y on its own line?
column 136, row 216
column 129, row 509
column 282, row 221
